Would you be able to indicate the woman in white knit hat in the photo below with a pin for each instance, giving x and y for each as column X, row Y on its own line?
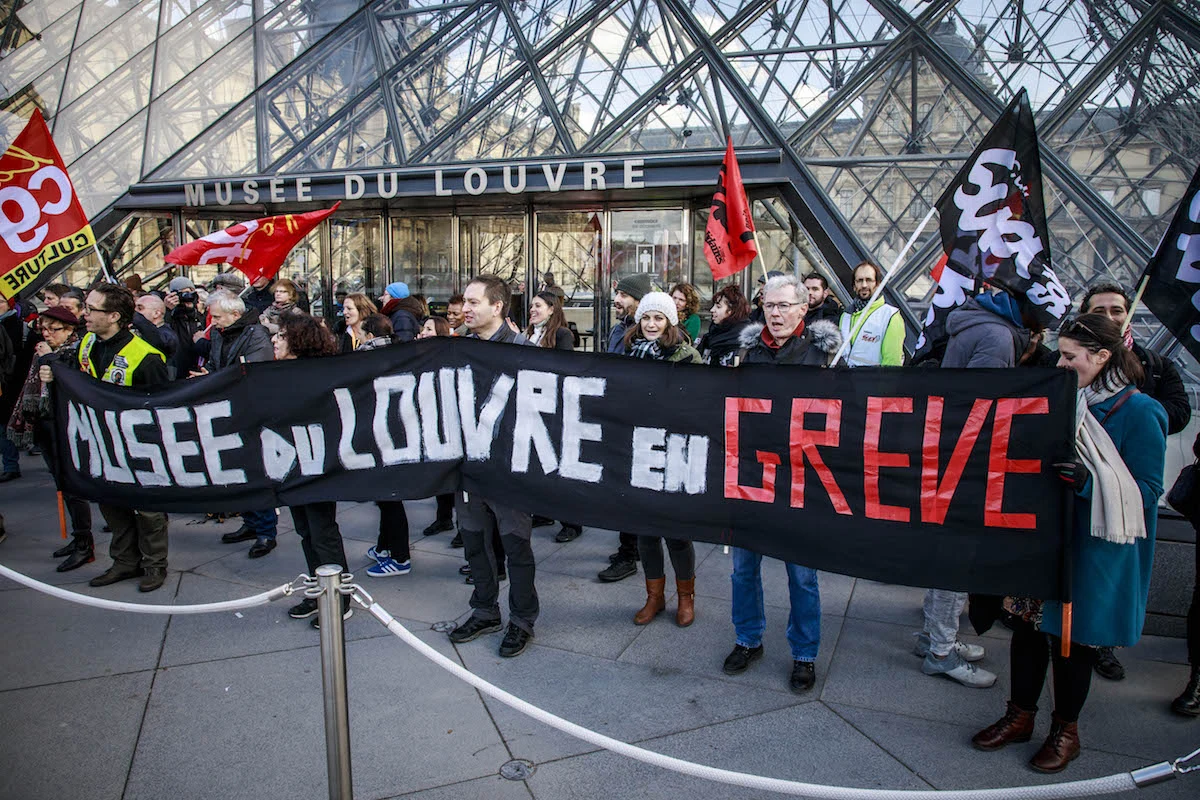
column 655, row 335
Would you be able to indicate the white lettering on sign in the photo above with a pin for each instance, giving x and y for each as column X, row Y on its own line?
column 1189, row 244
column 14, row 230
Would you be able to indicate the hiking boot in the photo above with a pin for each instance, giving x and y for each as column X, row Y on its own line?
column 1015, row 726
column 741, row 658
column 954, row 667
column 1060, row 748
column 968, row 652
column 804, row 676
column 617, row 571
column 473, row 628
column 515, row 641
column 154, row 578
column 1107, row 665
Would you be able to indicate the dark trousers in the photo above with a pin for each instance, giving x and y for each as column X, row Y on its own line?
column 1031, row 652
column 516, row 529
column 265, row 523
column 393, row 529
column 139, row 538
column 320, row 537
column 629, row 546
column 445, row 507
column 1193, row 618
column 78, row 509
column 681, row 551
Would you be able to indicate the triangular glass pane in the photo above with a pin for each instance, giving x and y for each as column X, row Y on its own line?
column 431, row 95
column 541, row 19
column 515, row 126
column 108, row 51
column 36, row 17
column 104, row 173
column 792, row 25
column 192, row 105
column 42, row 93
column 176, row 11
column 1052, row 46
column 407, row 24
column 611, row 66
column 714, row 15
column 193, row 40
column 294, row 27
column 105, row 108
column 228, row 148
column 684, row 116
column 360, row 139
column 38, row 55
column 312, row 91
column 99, row 14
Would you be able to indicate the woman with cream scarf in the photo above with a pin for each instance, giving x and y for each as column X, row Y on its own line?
column 1117, row 476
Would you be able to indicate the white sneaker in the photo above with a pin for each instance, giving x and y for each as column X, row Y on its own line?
column 969, row 652
column 954, row 667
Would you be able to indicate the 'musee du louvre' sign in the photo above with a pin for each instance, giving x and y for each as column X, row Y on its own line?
column 513, row 179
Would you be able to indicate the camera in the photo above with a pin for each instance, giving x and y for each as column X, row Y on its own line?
column 187, row 297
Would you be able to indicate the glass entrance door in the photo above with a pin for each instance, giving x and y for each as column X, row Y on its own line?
column 567, row 263
column 495, row 245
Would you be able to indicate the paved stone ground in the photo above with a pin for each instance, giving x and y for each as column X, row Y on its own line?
column 96, row 704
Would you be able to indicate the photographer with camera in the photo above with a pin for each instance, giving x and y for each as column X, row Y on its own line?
column 185, row 319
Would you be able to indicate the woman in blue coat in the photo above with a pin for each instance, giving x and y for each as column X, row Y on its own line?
column 1110, row 560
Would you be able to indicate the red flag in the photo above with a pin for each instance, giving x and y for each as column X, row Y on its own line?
column 41, row 220
column 257, row 248
column 729, row 236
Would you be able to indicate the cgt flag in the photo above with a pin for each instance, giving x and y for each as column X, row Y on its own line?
column 993, row 229
column 257, row 248
column 41, row 220
column 729, row 236
column 1173, row 274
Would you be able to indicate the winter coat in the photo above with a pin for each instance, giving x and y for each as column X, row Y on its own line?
column 691, row 326
column 505, row 335
column 721, row 344
column 616, row 339
column 814, row 347
column 405, row 325
column 828, row 311
column 185, row 321
column 985, row 331
column 1161, row 380
column 245, row 338
column 1110, row 582
column 259, row 299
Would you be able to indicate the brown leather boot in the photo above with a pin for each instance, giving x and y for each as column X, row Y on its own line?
column 1060, row 749
column 656, row 601
column 686, row 614
column 1015, row 726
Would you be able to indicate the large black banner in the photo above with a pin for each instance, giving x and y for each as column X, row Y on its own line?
column 1173, row 274
column 929, row 478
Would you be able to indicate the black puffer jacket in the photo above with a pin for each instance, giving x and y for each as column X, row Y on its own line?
column 1161, row 380
column 815, row 347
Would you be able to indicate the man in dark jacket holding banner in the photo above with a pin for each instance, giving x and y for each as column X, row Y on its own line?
column 785, row 340
column 485, row 310
column 111, row 353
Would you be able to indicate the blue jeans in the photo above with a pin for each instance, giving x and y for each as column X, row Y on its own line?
column 9, row 454
column 263, row 523
column 750, row 617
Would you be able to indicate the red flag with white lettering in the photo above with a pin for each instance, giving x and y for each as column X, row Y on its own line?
column 41, row 220
column 258, row 247
column 729, row 242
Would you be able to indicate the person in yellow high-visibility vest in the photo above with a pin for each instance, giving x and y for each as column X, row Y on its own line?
column 110, row 352
column 875, row 332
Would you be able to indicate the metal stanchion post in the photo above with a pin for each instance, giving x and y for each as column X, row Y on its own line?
column 333, row 682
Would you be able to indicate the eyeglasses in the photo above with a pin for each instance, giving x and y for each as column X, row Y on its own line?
column 93, row 310
column 53, row 328
column 784, row 307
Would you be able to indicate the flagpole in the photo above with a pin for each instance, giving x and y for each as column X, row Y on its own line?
column 887, row 276
column 108, row 276
column 762, row 261
column 1137, row 298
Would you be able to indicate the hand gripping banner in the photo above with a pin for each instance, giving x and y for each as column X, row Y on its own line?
column 41, row 220
column 929, row 478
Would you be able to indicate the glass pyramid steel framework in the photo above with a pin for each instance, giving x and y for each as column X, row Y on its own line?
column 873, row 105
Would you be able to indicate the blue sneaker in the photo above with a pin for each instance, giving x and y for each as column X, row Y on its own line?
column 388, row 567
column 378, row 555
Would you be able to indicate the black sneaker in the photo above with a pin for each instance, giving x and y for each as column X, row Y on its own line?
column 304, row 609
column 473, row 628
column 456, row 541
column 1107, row 665
column 623, row 556
column 618, row 571
column 515, row 641
column 438, row 526
column 347, row 613
column 568, row 533
column 804, row 676
column 741, row 658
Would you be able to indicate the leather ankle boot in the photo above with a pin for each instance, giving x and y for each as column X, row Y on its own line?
column 84, row 553
column 1061, row 747
column 67, row 549
column 1015, row 726
column 686, row 595
column 1188, row 703
column 656, row 601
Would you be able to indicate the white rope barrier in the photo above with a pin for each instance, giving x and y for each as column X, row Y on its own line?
column 143, row 608
column 1112, row 784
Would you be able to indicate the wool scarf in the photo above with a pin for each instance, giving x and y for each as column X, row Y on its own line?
column 1116, row 499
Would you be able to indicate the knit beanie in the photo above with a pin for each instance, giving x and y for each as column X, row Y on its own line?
column 636, row 285
column 660, row 302
column 397, row 290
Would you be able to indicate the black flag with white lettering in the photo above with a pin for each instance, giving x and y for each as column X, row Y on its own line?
column 1173, row 274
column 993, row 228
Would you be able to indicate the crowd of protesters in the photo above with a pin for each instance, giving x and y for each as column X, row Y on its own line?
column 1131, row 399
